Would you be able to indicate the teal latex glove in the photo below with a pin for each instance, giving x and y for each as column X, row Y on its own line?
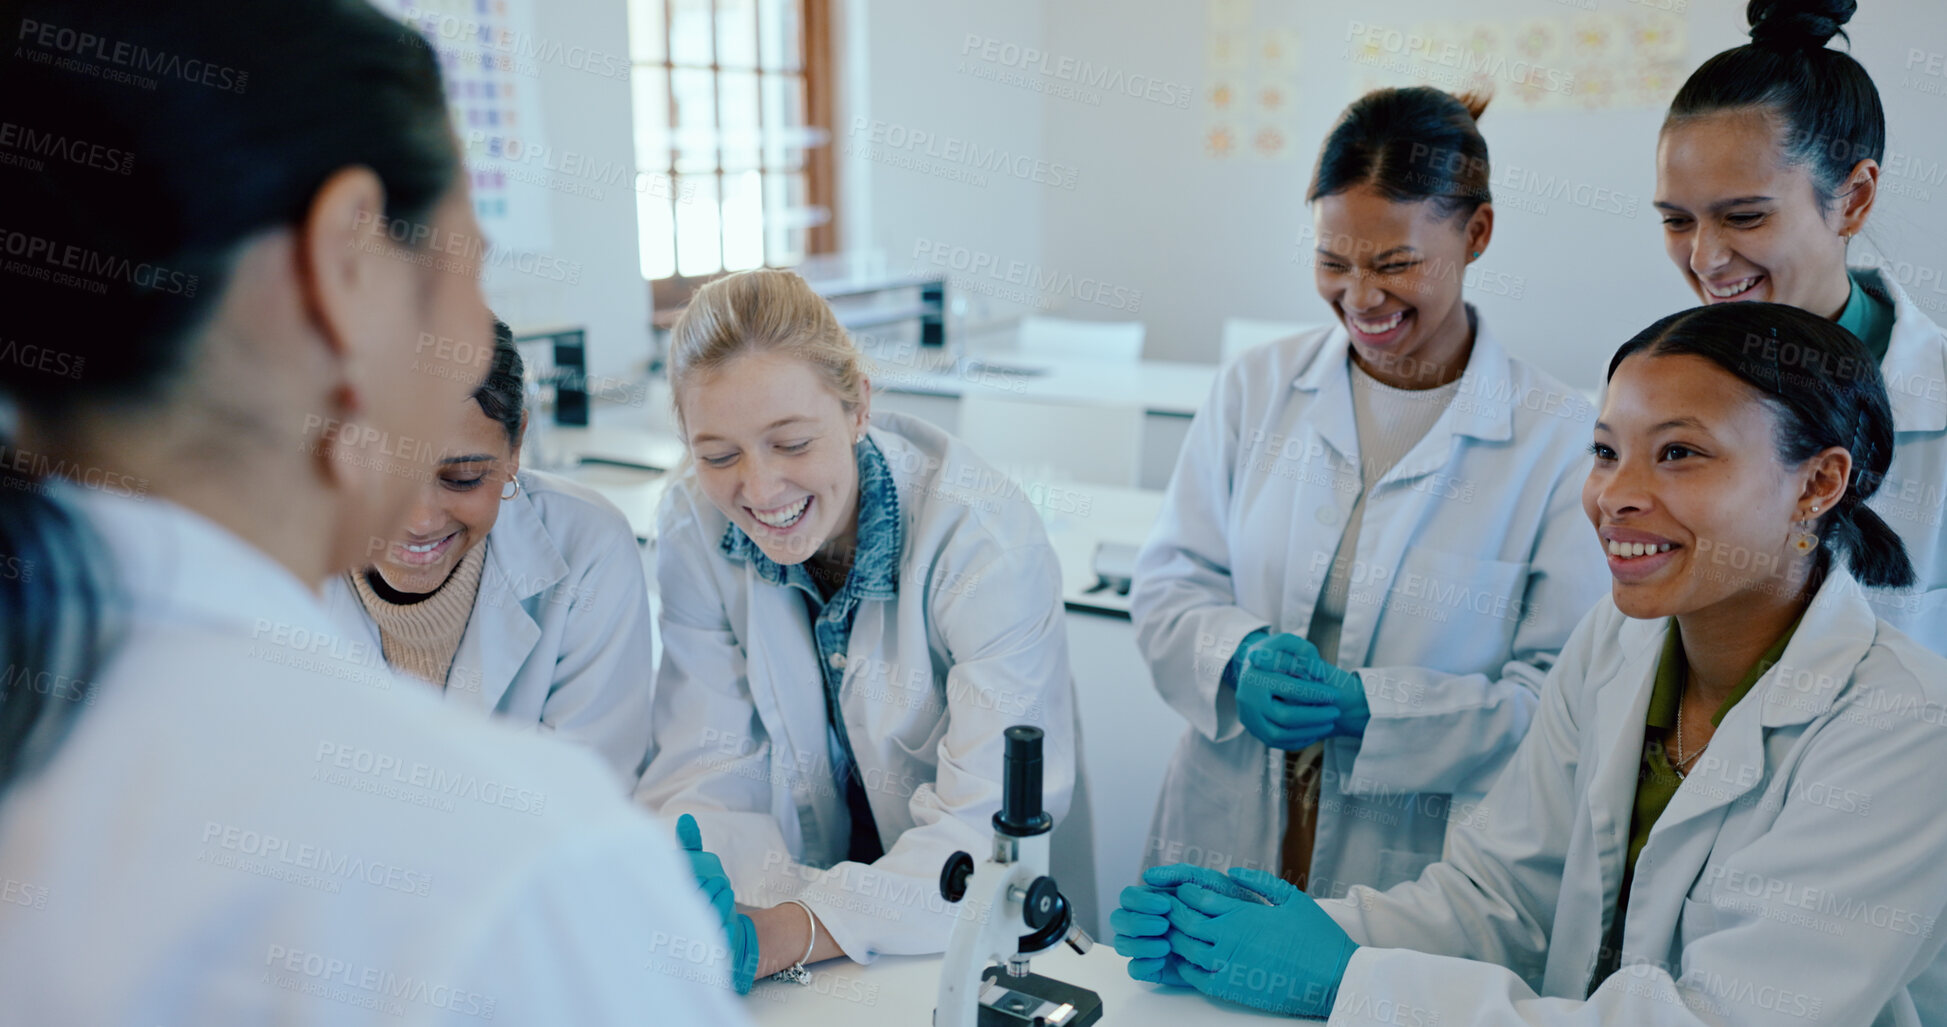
column 1285, row 701
column 1141, row 925
column 1291, row 671
column 737, row 928
column 1275, row 950
column 1141, row 922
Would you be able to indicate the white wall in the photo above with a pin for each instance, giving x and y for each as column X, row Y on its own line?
column 578, row 58
column 912, row 128
column 1192, row 240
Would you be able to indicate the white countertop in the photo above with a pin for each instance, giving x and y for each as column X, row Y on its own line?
column 903, row 989
column 1162, row 387
column 1078, row 517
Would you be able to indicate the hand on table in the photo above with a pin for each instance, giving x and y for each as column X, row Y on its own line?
column 1248, row 938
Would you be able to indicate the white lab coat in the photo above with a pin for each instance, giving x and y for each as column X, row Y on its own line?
column 1473, row 565
column 1913, row 499
column 1797, row 876
column 974, row 642
column 561, row 638
column 252, row 822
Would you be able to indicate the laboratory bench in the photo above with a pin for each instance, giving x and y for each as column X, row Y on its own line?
column 904, row 990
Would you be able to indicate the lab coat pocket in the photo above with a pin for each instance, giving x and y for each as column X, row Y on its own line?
column 1451, row 611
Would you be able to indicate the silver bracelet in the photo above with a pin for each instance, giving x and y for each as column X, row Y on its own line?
column 797, row 972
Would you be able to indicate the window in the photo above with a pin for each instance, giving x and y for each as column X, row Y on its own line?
column 732, row 122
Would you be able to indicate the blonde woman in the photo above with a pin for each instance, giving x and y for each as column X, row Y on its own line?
column 853, row 612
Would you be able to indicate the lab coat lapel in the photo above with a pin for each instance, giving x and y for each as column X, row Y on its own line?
column 1620, row 707
column 1331, row 385
column 1482, row 408
column 1913, row 367
column 1324, row 486
column 787, row 689
column 523, row 563
column 1832, row 637
column 1394, row 514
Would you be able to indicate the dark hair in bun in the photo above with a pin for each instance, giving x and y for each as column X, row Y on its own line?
column 1411, row 144
column 1827, row 107
column 1798, row 26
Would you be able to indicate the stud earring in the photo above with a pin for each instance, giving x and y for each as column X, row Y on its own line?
column 1477, row 254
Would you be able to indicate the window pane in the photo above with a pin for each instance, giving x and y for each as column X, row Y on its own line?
column 784, row 117
column 699, row 250
column 654, row 226
column 689, row 32
column 650, row 84
column 743, row 221
column 646, row 28
column 737, row 33
column 737, row 114
column 696, row 119
column 782, row 45
column 784, row 197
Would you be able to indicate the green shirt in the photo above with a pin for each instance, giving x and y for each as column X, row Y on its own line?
column 1659, row 780
column 1868, row 316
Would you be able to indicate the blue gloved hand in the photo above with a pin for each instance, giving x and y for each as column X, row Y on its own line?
column 1141, row 924
column 1276, row 951
column 737, row 928
column 1291, row 684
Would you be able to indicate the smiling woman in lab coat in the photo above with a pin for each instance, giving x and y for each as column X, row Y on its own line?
column 1767, row 166
column 854, row 609
column 1729, row 807
column 211, row 810
column 1393, row 494
column 515, row 592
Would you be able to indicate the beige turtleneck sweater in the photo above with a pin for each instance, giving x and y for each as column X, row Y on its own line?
column 420, row 638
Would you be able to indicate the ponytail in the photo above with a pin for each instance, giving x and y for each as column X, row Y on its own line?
column 1873, row 549
column 55, row 616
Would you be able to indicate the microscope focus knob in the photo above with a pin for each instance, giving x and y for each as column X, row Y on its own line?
column 1042, row 903
column 953, row 876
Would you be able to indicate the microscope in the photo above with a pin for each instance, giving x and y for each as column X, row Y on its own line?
column 1014, row 910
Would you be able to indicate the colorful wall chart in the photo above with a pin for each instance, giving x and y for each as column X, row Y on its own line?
column 487, row 52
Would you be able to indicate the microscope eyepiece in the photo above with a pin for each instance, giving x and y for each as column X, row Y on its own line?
column 1021, row 814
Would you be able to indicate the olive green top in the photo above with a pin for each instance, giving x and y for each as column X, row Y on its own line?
column 1659, row 779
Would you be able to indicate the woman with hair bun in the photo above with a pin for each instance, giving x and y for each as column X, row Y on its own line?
column 1767, row 166
column 1728, row 808
column 1370, row 551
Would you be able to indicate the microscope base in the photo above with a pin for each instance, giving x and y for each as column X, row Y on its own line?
column 1034, row 1001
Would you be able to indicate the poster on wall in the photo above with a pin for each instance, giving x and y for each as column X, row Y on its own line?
column 1250, row 84
column 1592, row 60
column 487, row 52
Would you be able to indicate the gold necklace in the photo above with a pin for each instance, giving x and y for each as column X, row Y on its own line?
column 1681, row 758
